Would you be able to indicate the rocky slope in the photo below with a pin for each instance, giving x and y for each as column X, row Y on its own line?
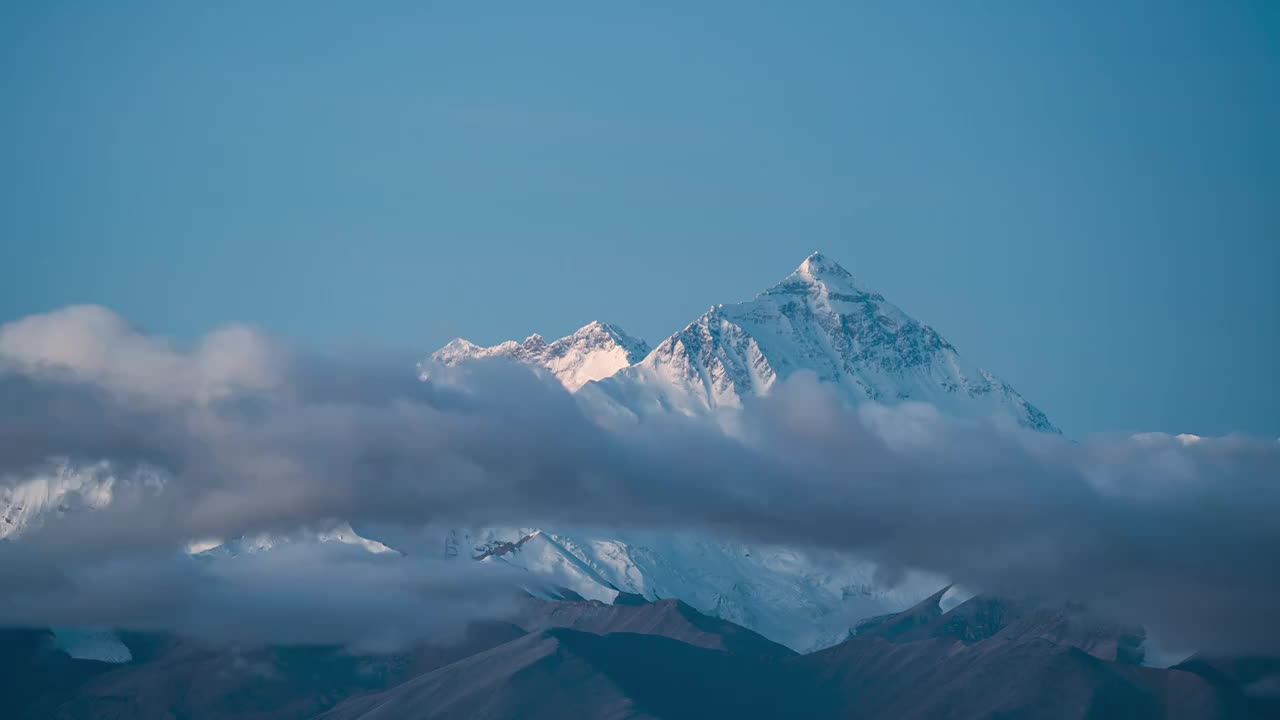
column 562, row 673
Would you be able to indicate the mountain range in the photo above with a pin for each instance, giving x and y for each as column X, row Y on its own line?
column 819, row 319
column 988, row 657
column 636, row 624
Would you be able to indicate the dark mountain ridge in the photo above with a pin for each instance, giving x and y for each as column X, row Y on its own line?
column 986, row 658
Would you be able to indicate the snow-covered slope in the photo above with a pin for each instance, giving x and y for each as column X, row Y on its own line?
column 337, row 532
column 64, row 489
column 53, row 492
column 818, row 319
column 802, row 599
column 594, row 352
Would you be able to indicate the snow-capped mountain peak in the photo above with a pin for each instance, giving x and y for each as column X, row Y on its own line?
column 820, row 268
column 818, row 319
column 593, row 352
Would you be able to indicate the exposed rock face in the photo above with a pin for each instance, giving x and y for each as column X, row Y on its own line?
column 986, row 616
column 1256, row 677
column 669, row 618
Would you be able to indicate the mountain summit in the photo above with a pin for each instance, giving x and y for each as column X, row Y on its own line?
column 818, row 266
column 818, row 319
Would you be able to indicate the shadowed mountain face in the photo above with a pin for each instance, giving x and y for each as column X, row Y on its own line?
column 568, row 674
column 984, row 616
column 35, row 676
column 998, row 657
column 179, row 679
column 1258, row 678
column 668, row 618
column 563, row 673
column 1023, row 678
column 986, row 658
column 172, row 678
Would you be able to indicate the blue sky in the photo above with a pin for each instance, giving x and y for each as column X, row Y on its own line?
column 1083, row 197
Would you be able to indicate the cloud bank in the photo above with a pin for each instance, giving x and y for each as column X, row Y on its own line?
column 237, row 435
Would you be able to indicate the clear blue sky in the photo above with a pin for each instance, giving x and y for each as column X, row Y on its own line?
column 1082, row 196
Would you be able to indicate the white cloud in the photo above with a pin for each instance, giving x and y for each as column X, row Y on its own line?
column 92, row 344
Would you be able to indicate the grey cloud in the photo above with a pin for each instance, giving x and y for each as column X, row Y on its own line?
column 1179, row 535
column 306, row 593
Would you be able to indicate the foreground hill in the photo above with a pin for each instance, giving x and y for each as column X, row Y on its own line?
column 989, row 657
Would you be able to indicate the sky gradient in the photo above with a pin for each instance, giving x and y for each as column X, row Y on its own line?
column 1083, row 198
